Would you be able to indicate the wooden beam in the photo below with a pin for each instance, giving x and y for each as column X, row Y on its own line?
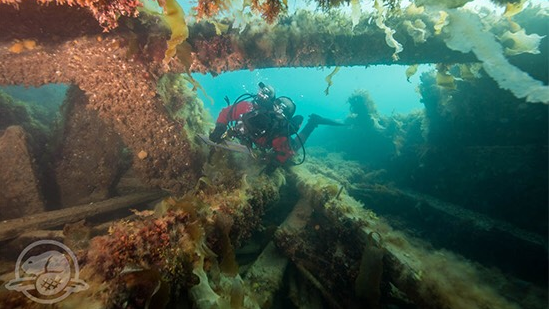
column 264, row 277
column 12, row 228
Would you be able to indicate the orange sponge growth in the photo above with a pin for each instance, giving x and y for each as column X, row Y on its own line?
column 209, row 8
column 21, row 46
column 270, row 9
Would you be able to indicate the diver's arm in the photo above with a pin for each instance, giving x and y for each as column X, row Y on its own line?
column 233, row 112
column 228, row 114
column 217, row 134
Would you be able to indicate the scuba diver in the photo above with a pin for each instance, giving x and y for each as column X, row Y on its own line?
column 266, row 123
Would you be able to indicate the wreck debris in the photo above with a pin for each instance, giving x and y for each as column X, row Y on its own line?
column 130, row 105
column 407, row 265
column 327, row 234
column 301, row 40
column 21, row 194
column 184, row 237
column 264, row 277
column 333, row 303
column 11, row 228
column 461, row 229
column 348, row 253
column 87, row 173
column 106, row 12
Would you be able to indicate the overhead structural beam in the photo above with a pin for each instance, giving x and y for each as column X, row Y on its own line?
column 312, row 40
column 304, row 39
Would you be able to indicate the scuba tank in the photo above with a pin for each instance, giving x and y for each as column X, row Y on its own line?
column 265, row 122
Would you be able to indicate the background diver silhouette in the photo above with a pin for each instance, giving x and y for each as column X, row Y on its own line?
column 266, row 122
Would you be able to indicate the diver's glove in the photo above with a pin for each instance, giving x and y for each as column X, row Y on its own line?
column 217, row 134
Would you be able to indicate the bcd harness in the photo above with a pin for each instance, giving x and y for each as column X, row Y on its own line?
column 262, row 123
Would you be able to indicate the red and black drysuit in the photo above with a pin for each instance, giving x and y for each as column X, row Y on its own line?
column 277, row 140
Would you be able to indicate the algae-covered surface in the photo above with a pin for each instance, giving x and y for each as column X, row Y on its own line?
column 110, row 198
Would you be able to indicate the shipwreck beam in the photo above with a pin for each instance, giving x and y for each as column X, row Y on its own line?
column 306, row 40
column 265, row 276
column 360, row 259
column 303, row 39
column 475, row 235
column 12, row 228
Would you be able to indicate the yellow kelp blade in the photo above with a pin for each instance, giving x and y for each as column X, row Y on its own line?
column 446, row 80
column 512, row 9
column 441, row 22
column 465, row 72
column 329, row 80
column 175, row 17
column 410, row 71
column 220, row 28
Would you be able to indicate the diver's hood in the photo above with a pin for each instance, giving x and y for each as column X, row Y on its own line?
column 285, row 106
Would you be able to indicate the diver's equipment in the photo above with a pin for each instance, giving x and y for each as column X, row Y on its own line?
column 285, row 106
column 241, row 98
column 272, row 115
column 319, row 120
column 228, row 145
column 262, row 98
column 257, row 123
column 261, row 124
column 302, row 148
column 266, row 93
column 217, row 134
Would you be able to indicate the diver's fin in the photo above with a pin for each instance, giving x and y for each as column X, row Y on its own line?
column 317, row 120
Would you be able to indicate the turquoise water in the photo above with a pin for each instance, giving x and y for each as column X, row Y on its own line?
column 387, row 86
column 467, row 174
column 48, row 96
column 306, row 87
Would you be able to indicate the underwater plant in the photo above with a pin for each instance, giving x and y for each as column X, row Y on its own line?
column 186, row 244
column 521, row 42
column 183, row 106
column 175, row 17
column 466, row 35
column 190, row 241
column 389, row 32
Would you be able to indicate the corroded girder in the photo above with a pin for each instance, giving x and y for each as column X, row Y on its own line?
column 307, row 40
column 304, row 39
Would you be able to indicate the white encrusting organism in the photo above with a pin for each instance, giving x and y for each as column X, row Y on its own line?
column 465, row 33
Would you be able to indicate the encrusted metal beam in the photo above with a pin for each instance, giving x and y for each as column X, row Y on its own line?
column 308, row 40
